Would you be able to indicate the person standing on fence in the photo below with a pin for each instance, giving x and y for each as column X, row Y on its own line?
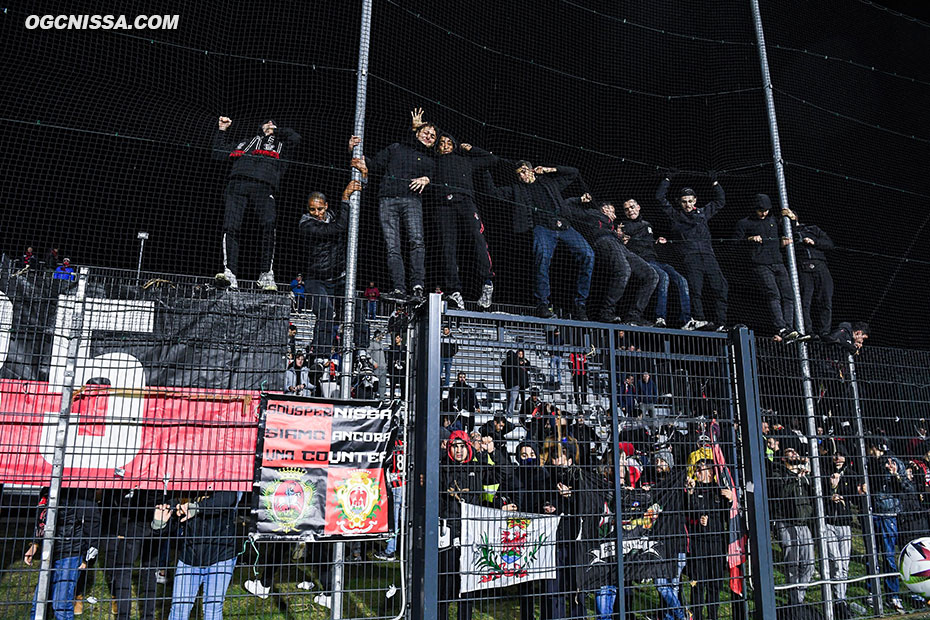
column 407, row 169
column 207, row 551
column 540, row 208
column 642, row 242
column 690, row 224
column 887, row 483
column 810, row 245
column 792, row 511
column 258, row 165
column 323, row 235
column 839, row 487
column 760, row 232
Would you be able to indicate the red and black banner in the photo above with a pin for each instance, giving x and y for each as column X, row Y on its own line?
column 320, row 468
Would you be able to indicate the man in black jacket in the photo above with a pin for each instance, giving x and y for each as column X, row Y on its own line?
column 447, row 350
column 259, row 164
column 453, row 183
column 792, row 510
column 407, row 169
column 760, row 232
column 323, row 235
column 690, row 224
column 840, row 491
column 539, row 207
column 810, row 243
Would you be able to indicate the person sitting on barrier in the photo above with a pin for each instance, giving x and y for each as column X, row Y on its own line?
column 602, row 230
column 699, row 264
column 259, row 163
column 850, row 336
column 323, row 233
column 791, row 494
column 207, row 551
column 761, row 234
column 454, row 191
column 407, row 168
column 839, row 486
column 708, row 508
column 540, row 208
column 76, row 535
column 641, row 241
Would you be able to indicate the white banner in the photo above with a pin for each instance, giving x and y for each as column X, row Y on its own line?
column 501, row 548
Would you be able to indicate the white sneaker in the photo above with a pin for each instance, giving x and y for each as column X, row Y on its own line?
column 227, row 278
column 255, row 588
column 486, row 291
column 324, row 600
column 897, row 604
column 660, row 322
column 457, row 298
column 693, row 324
column 305, row 585
column 266, row 281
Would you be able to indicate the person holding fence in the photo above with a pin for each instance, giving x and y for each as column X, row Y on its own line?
column 839, row 487
column 792, row 510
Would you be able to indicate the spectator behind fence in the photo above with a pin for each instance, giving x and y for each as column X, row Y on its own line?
column 761, row 234
column 30, row 259
column 64, row 271
column 708, row 508
column 207, row 552
column 133, row 540
column 887, row 484
column 671, row 529
column 76, row 534
column 540, row 208
column 447, row 350
column 298, row 290
column 406, row 167
column 397, row 366
column 372, row 294
column 462, row 404
column 839, row 487
column 792, row 510
column 377, row 351
column 516, row 377
column 297, row 377
column 641, row 241
column 690, row 224
column 810, row 243
column 554, row 344
column 647, row 395
column 259, row 163
column 51, row 258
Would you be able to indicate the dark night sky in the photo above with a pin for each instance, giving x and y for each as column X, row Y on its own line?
column 108, row 133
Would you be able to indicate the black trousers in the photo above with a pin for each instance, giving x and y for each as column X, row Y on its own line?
column 459, row 210
column 776, row 290
column 129, row 546
column 703, row 270
column 240, row 193
column 816, row 290
column 621, row 264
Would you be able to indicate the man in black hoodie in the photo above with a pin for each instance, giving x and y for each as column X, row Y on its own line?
column 839, row 488
column 539, row 207
column 454, row 187
column 407, row 168
column 690, row 224
column 760, row 232
column 323, row 235
column 810, row 243
column 259, row 164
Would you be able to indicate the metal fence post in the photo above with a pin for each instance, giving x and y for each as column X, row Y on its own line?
column 752, row 448
column 349, row 309
column 424, row 585
column 871, row 544
column 61, row 436
column 615, row 439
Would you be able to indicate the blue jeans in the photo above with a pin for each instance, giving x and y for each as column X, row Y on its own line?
column 187, row 581
column 407, row 213
column 372, row 308
column 555, row 369
column 886, row 528
column 666, row 272
column 61, row 590
column 668, row 590
column 398, row 493
column 446, row 370
column 544, row 243
column 604, row 602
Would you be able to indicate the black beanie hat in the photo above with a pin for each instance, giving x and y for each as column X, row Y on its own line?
column 763, row 202
column 686, row 191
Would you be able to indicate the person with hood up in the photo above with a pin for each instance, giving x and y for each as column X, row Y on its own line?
column 453, row 186
column 323, row 233
column 810, row 243
column 839, row 486
column 407, row 168
column 760, row 232
column 639, row 239
column 259, row 164
column 708, row 507
column 690, row 224
column 540, row 208
column 669, row 491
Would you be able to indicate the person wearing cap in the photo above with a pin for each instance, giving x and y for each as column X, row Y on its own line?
column 810, row 245
column 760, row 233
column 708, row 511
column 323, row 231
column 259, row 163
column 540, row 208
column 671, row 530
column 839, row 486
column 407, row 168
column 699, row 264
column 64, row 271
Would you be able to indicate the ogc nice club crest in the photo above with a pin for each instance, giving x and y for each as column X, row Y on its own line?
column 288, row 499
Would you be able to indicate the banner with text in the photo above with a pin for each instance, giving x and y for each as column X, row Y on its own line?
column 319, row 468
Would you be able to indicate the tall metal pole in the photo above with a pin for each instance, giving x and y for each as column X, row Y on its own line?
column 348, row 319
column 74, row 332
column 798, row 312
